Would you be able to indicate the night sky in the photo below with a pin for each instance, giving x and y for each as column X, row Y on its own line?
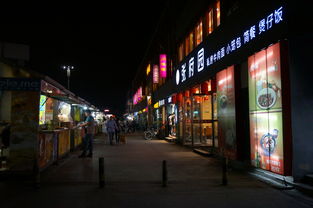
column 105, row 43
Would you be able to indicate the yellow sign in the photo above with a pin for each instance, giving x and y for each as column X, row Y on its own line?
column 148, row 69
column 156, row 105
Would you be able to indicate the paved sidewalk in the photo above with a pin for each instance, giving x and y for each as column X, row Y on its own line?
column 133, row 179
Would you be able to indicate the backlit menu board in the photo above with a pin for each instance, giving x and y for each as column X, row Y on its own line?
column 226, row 111
column 265, row 107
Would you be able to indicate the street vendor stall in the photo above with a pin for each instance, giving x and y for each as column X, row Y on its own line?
column 38, row 111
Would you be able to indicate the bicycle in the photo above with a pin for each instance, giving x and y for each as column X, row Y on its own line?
column 150, row 133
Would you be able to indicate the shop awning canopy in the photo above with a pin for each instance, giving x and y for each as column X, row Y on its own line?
column 65, row 98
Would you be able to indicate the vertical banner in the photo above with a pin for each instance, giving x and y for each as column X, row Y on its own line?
column 155, row 74
column 226, row 111
column 265, row 106
column 163, row 65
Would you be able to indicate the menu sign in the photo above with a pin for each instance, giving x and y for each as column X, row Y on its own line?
column 265, row 105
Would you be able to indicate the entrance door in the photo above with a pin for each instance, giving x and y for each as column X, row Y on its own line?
column 205, row 120
column 187, row 118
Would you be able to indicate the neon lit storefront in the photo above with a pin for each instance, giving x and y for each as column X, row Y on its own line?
column 231, row 96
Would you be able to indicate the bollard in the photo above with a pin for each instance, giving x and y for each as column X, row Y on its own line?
column 164, row 173
column 36, row 175
column 101, row 172
column 224, row 170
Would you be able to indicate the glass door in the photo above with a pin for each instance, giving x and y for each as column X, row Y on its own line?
column 187, row 118
column 196, row 120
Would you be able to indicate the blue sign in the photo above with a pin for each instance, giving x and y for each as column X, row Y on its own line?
column 19, row 84
column 198, row 62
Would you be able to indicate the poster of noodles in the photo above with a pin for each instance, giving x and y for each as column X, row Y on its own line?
column 226, row 111
column 265, row 106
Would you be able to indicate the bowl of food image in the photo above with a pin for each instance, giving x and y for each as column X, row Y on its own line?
column 266, row 98
column 223, row 101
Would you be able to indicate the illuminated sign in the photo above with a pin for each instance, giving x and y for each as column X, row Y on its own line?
column 169, row 99
column 201, row 59
column 148, row 69
column 138, row 96
column 161, row 102
column 155, row 74
column 163, row 65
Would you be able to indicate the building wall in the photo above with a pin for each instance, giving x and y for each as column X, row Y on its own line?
column 301, row 104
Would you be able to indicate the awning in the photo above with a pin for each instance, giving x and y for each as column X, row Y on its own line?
column 65, row 98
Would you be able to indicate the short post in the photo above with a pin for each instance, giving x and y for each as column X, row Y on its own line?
column 101, row 172
column 36, row 175
column 164, row 173
column 224, row 171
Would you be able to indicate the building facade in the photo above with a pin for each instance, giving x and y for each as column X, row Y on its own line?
column 230, row 77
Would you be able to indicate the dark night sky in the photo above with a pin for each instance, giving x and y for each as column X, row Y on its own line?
column 105, row 43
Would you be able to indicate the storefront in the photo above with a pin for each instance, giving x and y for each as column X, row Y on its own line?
column 171, row 118
column 236, row 86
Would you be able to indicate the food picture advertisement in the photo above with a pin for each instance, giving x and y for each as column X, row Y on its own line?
column 226, row 110
column 265, row 105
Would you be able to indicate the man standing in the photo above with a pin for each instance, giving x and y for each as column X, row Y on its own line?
column 89, row 124
column 111, row 128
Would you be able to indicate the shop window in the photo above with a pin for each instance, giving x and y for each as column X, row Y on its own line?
column 191, row 41
column 218, row 13
column 181, row 52
column 187, row 46
column 199, row 33
column 265, row 106
column 209, row 21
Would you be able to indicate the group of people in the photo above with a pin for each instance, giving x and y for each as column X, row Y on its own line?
column 113, row 127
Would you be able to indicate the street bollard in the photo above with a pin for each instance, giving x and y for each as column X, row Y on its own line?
column 224, row 170
column 36, row 175
column 164, row 174
column 101, row 172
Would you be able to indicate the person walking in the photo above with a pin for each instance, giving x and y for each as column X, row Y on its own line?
column 111, row 128
column 89, row 124
column 117, row 131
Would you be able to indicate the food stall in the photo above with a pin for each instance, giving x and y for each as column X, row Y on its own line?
column 38, row 111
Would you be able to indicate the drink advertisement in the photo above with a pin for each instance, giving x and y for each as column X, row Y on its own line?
column 226, row 111
column 265, row 107
column 42, row 109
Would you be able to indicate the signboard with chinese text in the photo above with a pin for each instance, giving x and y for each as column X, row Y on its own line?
column 155, row 74
column 163, row 66
column 204, row 56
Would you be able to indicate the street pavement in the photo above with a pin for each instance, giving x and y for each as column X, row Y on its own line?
column 133, row 176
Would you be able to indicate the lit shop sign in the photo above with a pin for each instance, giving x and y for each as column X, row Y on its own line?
column 138, row 96
column 161, row 102
column 163, row 65
column 155, row 74
column 148, row 69
column 201, row 58
column 169, row 99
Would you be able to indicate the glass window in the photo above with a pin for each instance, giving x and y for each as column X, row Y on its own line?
column 187, row 46
column 191, row 41
column 209, row 21
column 180, row 52
column 199, row 33
column 218, row 13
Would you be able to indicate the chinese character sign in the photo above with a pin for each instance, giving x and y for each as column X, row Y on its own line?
column 163, row 65
column 155, row 74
